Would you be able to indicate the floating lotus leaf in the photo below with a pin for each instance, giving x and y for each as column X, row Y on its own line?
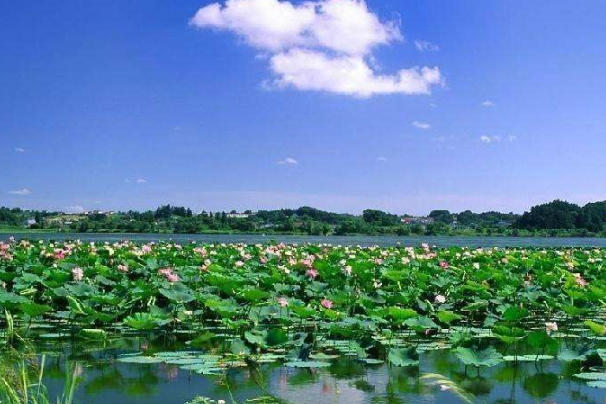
column 527, row 358
column 403, row 357
column 307, row 364
column 138, row 359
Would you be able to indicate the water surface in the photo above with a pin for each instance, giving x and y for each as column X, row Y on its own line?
column 440, row 241
column 103, row 380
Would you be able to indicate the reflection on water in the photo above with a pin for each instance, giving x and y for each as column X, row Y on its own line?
column 101, row 380
column 440, row 241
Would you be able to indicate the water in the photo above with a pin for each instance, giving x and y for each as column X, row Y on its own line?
column 103, row 380
column 440, row 241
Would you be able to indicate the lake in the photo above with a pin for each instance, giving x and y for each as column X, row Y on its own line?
column 439, row 241
column 132, row 335
column 101, row 379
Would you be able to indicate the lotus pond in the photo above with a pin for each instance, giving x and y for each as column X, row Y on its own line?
column 205, row 323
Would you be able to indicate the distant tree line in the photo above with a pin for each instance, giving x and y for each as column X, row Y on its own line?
column 564, row 215
column 557, row 218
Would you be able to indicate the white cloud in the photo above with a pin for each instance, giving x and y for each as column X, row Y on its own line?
column 496, row 139
column 141, row 180
column 488, row 103
column 289, row 160
column 74, row 209
column 19, row 149
column 345, row 26
column 322, row 45
column 426, row 46
column 490, row 139
column 381, row 158
column 21, row 192
column 421, row 125
column 349, row 75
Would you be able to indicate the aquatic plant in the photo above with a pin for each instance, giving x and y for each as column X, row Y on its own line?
column 22, row 380
column 310, row 300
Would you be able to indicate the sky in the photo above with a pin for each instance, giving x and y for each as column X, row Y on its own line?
column 405, row 106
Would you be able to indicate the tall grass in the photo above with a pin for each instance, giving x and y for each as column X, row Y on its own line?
column 22, row 381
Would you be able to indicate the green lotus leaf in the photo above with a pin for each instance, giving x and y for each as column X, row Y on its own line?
column 487, row 357
column 447, row 316
column 33, row 309
column 403, row 357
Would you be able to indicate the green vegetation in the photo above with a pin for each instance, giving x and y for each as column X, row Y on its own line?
column 302, row 305
column 21, row 381
column 304, row 220
column 555, row 219
column 565, row 216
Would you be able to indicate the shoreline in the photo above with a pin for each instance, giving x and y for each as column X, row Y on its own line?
column 6, row 231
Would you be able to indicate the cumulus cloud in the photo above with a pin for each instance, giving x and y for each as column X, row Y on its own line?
column 19, row 149
column 20, row 192
column 421, row 125
column 141, row 180
column 289, row 160
column 345, row 26
column 381, row 158
column 350, row 75
column 488, row 103
column 426, row 46
column 324, row 45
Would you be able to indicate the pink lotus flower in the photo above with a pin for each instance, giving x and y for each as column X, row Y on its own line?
column 440, row 299
column 308, row 262
column 283, row 302
column 444, row 264
column 169, row 274
column 312, row 273
column 77, row 274
column 579, row 280
column 123, row 268
column 551, row 327
column 327, row 304
column 200, row 250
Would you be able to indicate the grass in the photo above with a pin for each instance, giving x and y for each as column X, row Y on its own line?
column 22, row 381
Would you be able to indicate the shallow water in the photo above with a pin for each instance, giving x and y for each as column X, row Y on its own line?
column 440, row 241
column 103, row 380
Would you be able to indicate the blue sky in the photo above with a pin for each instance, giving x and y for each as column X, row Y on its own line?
column 121, row 104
